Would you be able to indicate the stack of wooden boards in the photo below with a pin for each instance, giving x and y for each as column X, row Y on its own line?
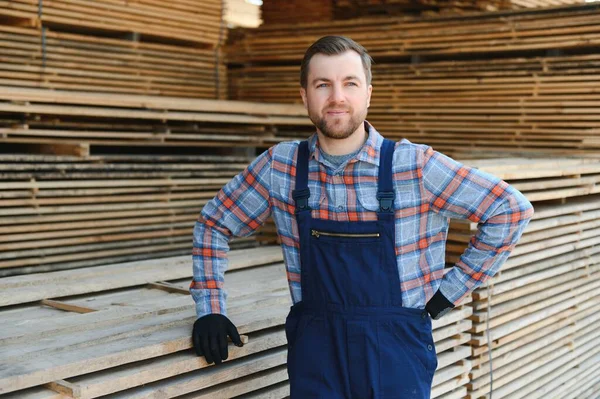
column 297, row 11
column 356, row 8
column 125, row 329
column 66, row 211
column 117, row 46
column 283, row 12
column 99, row 119
column 182, row 20
column 74, row 61
column 400, row 38
column 539, row 315
column 541, row 105
column 59, row 212
column 242, row 13
column 455, row 83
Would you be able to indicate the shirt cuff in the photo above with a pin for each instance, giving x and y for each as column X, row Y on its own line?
column 209, row 302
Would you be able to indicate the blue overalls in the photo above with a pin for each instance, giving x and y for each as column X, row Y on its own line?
column 350, row 337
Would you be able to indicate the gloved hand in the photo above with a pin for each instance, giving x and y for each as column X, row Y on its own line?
column 438, row 306
column 210, row 337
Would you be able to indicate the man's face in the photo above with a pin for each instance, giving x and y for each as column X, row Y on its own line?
column 337, row 95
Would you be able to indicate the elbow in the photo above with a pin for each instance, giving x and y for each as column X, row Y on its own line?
column 523, row 207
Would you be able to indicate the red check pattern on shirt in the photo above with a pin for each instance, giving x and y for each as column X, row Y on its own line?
column 430, row 189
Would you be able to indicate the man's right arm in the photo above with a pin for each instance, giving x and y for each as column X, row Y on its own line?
column 239, row 208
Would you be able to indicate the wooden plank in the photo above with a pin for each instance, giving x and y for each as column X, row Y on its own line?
column 100, row 278
column 77, row 360
column 65, row 306
column 102, row 15
column 142, row 373
column 548, row 371
column 269, row 384
column 522, row 337
column 190, row 382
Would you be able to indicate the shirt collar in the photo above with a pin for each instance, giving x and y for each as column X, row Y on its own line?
column 369, row 152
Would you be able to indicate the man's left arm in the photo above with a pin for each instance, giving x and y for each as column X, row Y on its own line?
column 501, row 211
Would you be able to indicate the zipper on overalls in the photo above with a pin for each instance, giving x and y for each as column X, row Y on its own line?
column 316, row 233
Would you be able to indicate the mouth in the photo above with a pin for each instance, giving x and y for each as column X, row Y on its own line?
column 337, row 112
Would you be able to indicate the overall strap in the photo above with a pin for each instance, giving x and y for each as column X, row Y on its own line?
column 301, row 193
column 385, row 188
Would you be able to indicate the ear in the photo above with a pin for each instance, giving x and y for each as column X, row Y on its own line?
column 303, row 95
column 369, row 91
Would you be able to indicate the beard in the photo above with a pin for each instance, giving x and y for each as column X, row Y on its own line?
column 337, row 127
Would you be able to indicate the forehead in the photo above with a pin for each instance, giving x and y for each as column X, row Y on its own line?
column 336, row 66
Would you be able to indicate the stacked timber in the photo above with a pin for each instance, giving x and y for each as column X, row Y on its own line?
column 538, row 106
column 298, row 11
column 242, row 13
column 80, row 205
column 59, row 212
column 125, row 330
column 536, row 324
column 72, row 61
column 357, row 8
column 535, row 104
column 196, row 22
column 83, row 119
column 115, row 46
column 574, row 27
column 293, row 12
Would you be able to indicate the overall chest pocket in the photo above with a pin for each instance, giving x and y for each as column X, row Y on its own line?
column 367, row 201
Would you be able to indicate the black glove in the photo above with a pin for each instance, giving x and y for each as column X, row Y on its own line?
column 210, row 337
column 438, row 306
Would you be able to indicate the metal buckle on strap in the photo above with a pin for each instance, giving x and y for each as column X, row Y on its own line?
column 386, row 200
column 301, row 199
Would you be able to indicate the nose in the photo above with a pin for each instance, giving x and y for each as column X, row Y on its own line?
column 337, row 94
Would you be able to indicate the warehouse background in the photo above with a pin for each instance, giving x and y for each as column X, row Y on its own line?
column 120, row 119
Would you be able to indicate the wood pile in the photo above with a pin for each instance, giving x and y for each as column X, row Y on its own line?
column 299, row 11
column 81, row 205
column 356, row 8
column 293, row 12
column 190, row 21
column 534, row 104
column 124, row 330
column 59, row 212
column 115, row 46
column 82, row 62
column 574, row 27
column 97, row 119
column 538, row 106
column 241, row 13
column 539, row 314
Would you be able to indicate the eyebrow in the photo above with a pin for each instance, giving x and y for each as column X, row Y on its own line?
column 349, row 77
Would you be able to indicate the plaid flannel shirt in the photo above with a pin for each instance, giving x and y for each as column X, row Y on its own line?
column 430, row 188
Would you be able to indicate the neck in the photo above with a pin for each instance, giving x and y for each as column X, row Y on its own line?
column 343, row 146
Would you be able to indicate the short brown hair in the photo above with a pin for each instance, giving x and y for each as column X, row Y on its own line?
column 334, row 45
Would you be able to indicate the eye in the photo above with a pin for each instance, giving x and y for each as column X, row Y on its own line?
column 321, row 85
column 352, row 84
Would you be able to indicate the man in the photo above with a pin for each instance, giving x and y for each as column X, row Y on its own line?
column 363, row 223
